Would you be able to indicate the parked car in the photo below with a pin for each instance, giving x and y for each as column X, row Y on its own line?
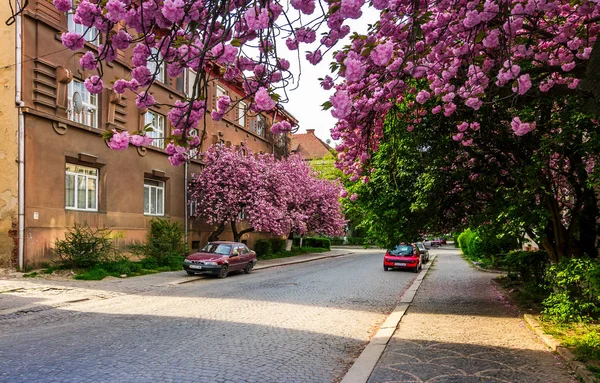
column 220, row 258
column 436, row 242
column 404, row 257
column 442, row 241
column 424, row 252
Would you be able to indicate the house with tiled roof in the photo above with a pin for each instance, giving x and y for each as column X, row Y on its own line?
column 309, row 146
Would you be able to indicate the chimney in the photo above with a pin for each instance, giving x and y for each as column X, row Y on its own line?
column 310, row 131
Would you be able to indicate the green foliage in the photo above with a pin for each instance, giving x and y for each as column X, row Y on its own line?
column 323, row 243
column 588, row 346
column 30, row 275
column 528, row 266
column 84, row 247
column 356, row 241
column 277, row 244
column 575, row 296
column 128, row 268
column 469, row 244
column 262, row 247
column 164, row 242
column 337, row 241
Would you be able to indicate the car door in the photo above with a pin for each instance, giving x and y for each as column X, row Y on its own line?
column 235, row 258
column 244, row 255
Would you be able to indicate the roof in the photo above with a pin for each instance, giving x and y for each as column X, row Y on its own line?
column 309, row 146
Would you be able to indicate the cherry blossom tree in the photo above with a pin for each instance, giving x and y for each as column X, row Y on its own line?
column 237, row 187
column 466, row 52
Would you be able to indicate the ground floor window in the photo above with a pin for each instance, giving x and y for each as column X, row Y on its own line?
column 81, row 188
column 154, row 197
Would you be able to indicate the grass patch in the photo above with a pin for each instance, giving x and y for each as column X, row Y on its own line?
column 30, row 275
column 526, row 298
column 128, row 268
column 295, row 251
column 582, row 339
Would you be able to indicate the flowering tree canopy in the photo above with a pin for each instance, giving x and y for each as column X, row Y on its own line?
column 466, row 52
column 451, row 55
column 277, row 196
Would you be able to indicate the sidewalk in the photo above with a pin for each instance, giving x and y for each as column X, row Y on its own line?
column 19, row 295
column 459, row 329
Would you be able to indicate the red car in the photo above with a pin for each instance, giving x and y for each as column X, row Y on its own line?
column 404, row 257
column 220, row 258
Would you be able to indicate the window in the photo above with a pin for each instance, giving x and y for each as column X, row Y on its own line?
column 154, row 197
column 192, row 206
column 193, row 152
column 157, row 123
column 191, row 80
column 220, row 91
column 154, row 62
column 81, row 188
column 261, row 125
column 89, row 112
column 89, row 34
column 180, row 83
column 242, row 113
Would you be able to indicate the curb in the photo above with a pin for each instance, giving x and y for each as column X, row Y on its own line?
column 493, row 271
column 259, row 267
column 577, row 366
column 367, row 360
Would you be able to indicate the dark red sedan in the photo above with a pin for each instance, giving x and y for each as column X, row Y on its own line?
column 220, row 258
column 404, row 257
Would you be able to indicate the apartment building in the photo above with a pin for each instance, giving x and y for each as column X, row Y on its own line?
column 67, row 172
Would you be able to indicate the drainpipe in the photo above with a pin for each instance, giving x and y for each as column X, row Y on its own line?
column 185, row 216
column 21, row 139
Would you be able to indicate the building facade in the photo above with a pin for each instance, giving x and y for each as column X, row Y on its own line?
column 309, row 146
column 70, row 175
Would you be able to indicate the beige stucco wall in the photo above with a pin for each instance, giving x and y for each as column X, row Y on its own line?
column 8, row 143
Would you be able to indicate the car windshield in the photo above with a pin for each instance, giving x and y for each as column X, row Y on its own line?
column 401, row 250
column 217, row 248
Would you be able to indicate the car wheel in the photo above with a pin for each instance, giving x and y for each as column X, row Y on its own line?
column 385, row 268
column 248, row 268
column 416, row 269
column 223, row 272
column 190, row 272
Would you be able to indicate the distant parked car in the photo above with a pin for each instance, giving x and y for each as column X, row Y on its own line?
column 404, row 257
column 220, row 258
column 424, row 252
column 436, row 242
column 442, row 241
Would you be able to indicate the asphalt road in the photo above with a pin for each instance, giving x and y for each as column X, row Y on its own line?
column 302, row 323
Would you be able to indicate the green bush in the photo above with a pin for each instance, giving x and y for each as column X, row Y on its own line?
column 575, row 286
column 468, row 242
column 84, row 247
column 164, row 242
column 356, row 241
column 528, row 266
column 262, row 247
column 337, row 241
column 277, row 245
column 323, row 243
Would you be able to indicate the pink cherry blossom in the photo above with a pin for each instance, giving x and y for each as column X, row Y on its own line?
column 263, row 100
column 119, row 140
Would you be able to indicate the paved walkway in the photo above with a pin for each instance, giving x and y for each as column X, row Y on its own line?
column 459, row 329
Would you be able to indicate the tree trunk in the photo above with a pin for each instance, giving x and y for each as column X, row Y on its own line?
column 237, row 236
column 214, row 236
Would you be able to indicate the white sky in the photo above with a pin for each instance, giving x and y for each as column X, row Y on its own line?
column 305, row 102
